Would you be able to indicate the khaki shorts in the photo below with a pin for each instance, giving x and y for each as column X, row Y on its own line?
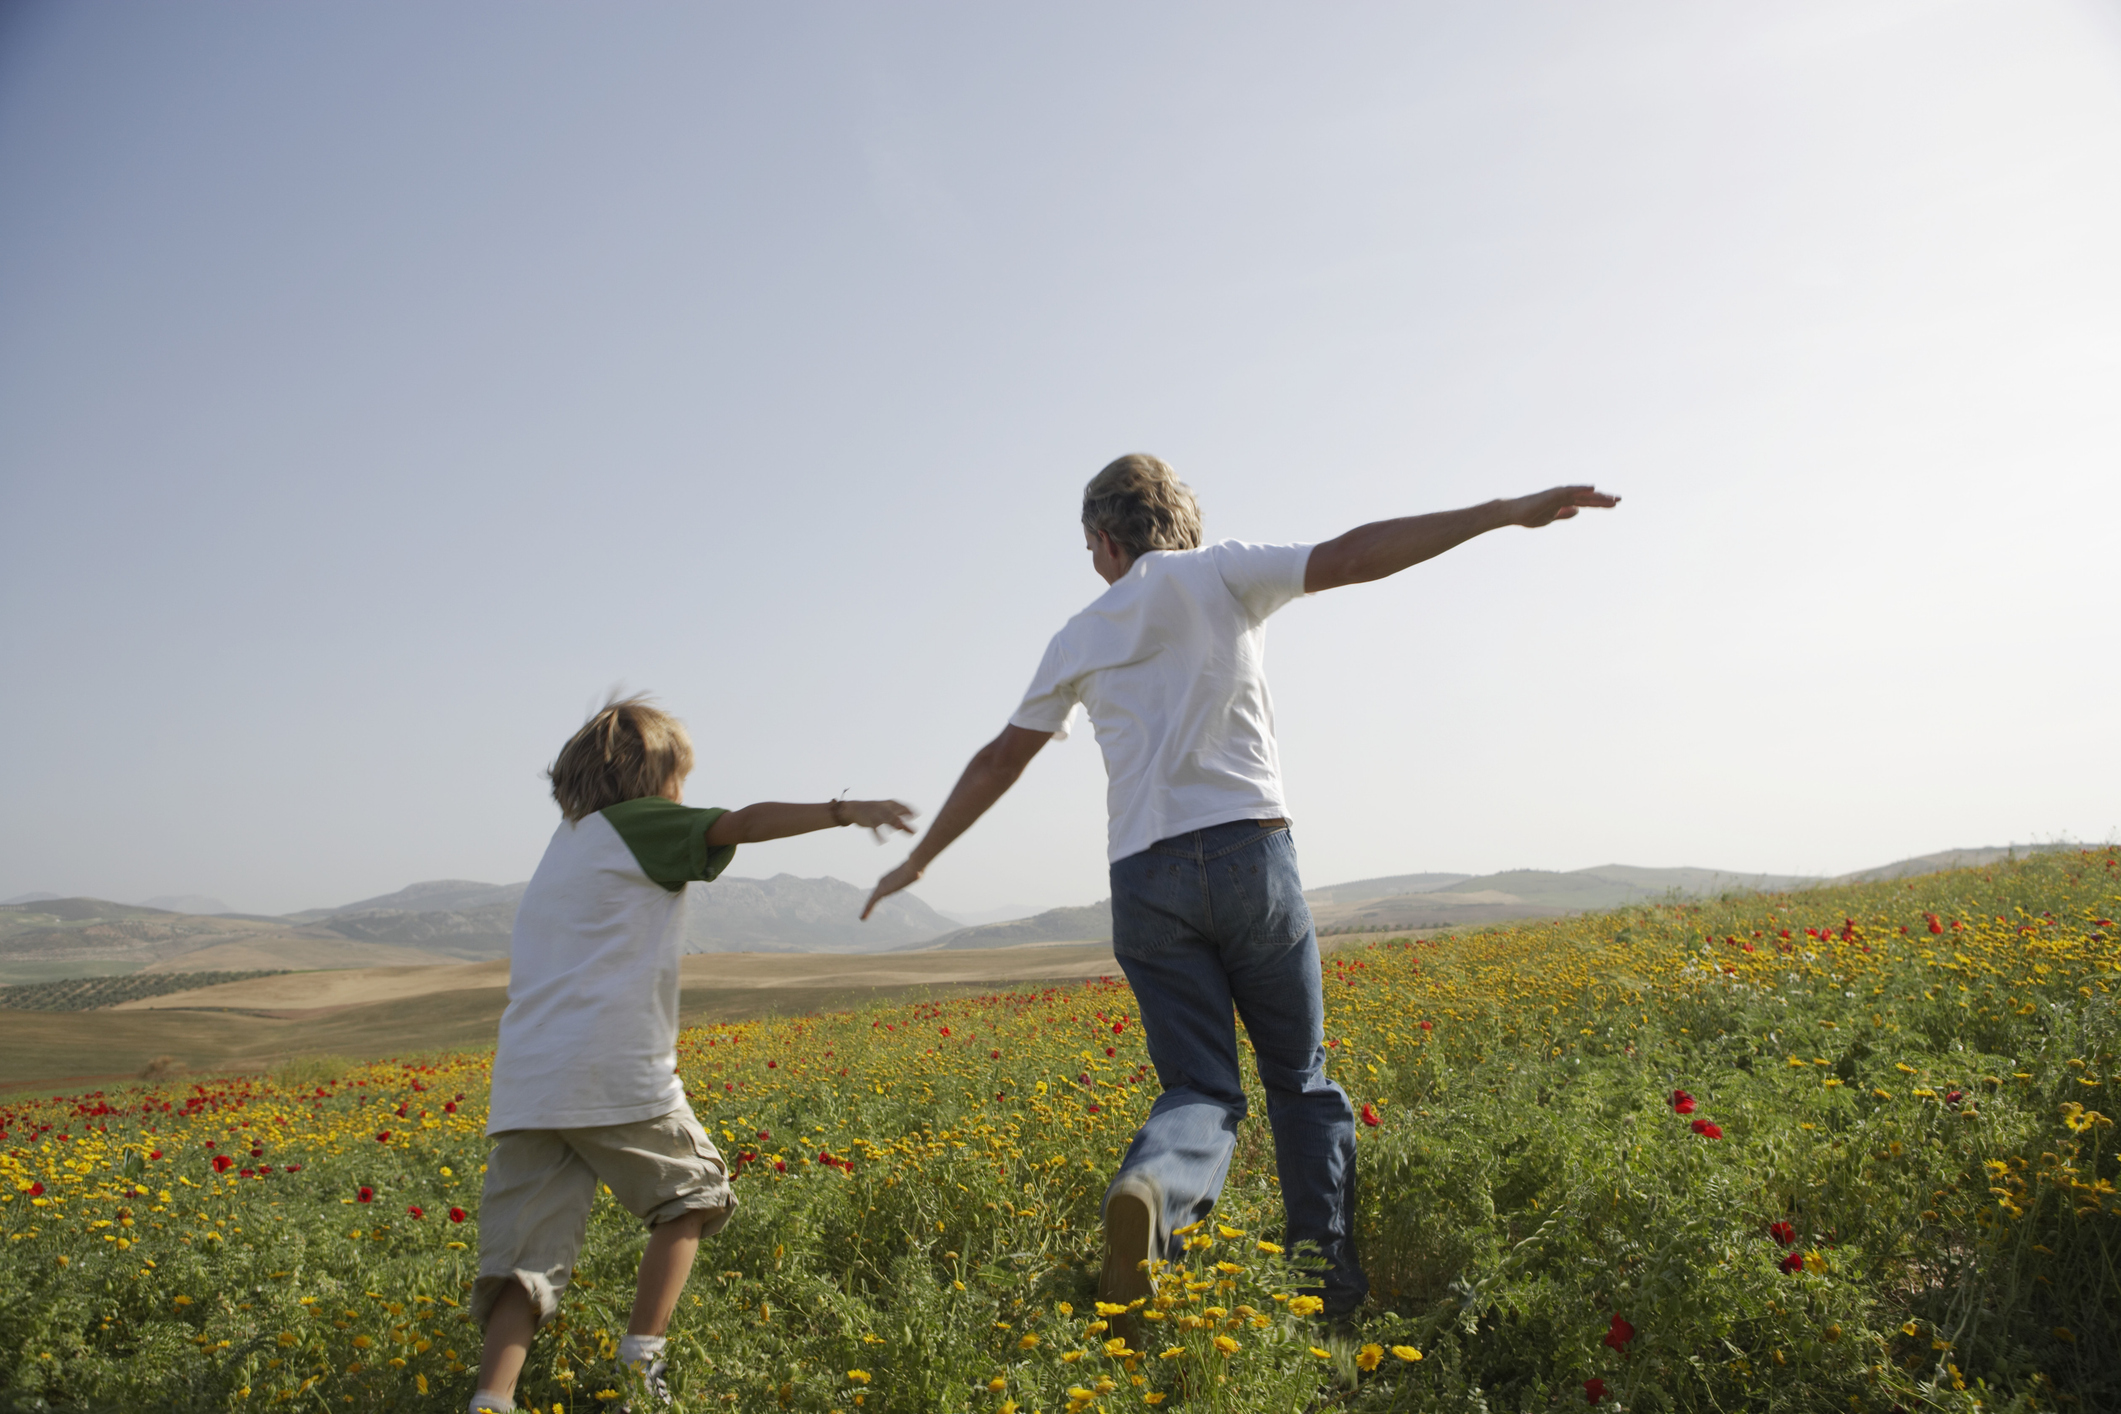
column 541, row 1183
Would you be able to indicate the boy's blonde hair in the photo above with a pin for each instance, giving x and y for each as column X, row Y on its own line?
column 629, row 749
column 1143, row 506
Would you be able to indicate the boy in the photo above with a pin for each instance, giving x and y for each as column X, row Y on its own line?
column 585, row 1087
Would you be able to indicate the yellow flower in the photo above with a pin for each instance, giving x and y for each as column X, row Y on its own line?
column 1152, row 1398
column 1115, row 1347
column 997, row 1384
column 1071, row 1357
column 1029, row 1342
column 362, row 1342
column 1407, row 1353
column 1227, row 1231
column 1369, row 1357
column 1228, row 1268
column 1306, row 1306
column 1322, row 1354
column 1171, row 1352
column 860, row 1377
column 1270, row 1249
column 1226, row 1345
column 1064, row 1308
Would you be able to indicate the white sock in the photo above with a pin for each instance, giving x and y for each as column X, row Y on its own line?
column 486, row 1399
column 638, row 1352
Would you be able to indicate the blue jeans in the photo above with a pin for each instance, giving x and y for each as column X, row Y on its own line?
column 1199, row 922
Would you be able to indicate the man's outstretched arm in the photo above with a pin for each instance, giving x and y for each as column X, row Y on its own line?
column 987, row 778
column 1386, row 547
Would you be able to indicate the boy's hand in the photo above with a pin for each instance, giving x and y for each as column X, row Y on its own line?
column 876, row 816
column 903, row 877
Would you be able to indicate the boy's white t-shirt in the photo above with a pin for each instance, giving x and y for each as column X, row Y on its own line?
column 590, row 1033
column 1170, row 664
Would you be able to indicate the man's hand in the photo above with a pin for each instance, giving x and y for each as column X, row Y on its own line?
column 1546, row 507
column 990, row 773
column 903, row 877
column 877, row 816
column 1385, row 547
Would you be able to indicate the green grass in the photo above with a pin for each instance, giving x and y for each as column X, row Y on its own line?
column 1922, row 1110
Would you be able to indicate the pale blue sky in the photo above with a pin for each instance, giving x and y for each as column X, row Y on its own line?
column 381, row 383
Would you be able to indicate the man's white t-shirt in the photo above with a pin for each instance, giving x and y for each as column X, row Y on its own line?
column 590, row 1035
column 1170, row 664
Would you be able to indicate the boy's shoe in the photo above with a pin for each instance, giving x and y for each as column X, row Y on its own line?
column 1134, row 1243
column 653, row 1375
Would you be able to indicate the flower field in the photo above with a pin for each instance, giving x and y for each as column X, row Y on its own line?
column 1845, row 1149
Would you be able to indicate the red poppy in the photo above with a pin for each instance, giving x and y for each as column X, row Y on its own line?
column 1792, row 1263
column 365, row 1195
column 765, row 1134
column 449, row 1107
column 1707, row 1130
column 293, row 1168
column 383, row 1136
column 257, row 1153
column 1593, row 1390
column 413, row 1210
column 223, row 1163
column 1783, row 1233
column 1682, row 1103
column 154, row 1154
column 1371, row 1117
column 247, row 1173
column 1428, row 1026
column 1096, row 1109
column 780, row 1166
column 943, row 1030
column 456, row 1215
column 1118, row 1027
column 1936, row 926
column 35, row 1189
column 1110, row 1052
column 1620, row 1333
column 1953, row 1097
column 994, row 1055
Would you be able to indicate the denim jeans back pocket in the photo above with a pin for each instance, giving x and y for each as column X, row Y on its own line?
column 1259, row 897
column 1157, row 901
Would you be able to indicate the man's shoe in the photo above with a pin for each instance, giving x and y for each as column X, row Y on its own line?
column 1134, row 1243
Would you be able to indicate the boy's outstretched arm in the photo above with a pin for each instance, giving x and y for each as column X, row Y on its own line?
column 1386, row 547
column 987, row 778
column 772, row 820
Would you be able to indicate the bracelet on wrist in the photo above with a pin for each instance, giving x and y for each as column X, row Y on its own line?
column 839, row 813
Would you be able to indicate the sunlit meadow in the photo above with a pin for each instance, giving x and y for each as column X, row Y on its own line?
column 1836, row 1150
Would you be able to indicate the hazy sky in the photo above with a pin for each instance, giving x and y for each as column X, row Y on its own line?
column 380, row 384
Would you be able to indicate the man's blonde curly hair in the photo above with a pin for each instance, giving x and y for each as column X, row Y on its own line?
column 1140, row 502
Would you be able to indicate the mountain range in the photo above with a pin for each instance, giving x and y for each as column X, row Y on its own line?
column 43, row 937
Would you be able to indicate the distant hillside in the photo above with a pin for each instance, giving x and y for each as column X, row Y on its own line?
column 84, row 937
column 433, row 896
column 187, row 903
column 1089, row 923
column 788, row 914
column 1948, row 859
column 1382, row 888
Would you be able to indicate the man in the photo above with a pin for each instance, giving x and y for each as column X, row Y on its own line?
column 1207, row 908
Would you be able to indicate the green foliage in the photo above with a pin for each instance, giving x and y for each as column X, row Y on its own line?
column 89, row 993
column 920, row 1184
